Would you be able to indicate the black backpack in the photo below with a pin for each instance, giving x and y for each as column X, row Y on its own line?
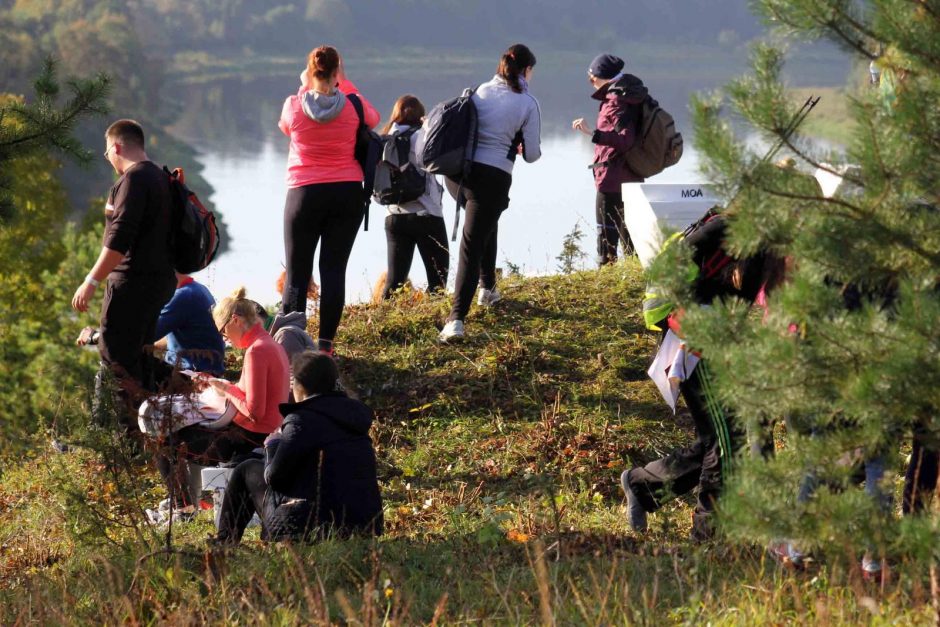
column 397, row 180
column 368, row 153
column 450, row 141
column 194, row 235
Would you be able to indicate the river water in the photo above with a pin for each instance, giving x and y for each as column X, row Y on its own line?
column 233, row 125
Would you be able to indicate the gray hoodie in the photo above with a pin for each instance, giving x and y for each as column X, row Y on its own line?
column 322, row 107
column 290, row 331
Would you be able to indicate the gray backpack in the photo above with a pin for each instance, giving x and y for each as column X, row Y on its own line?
column 397, row 180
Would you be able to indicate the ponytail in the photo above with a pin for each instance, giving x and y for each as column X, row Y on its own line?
column 513, row 64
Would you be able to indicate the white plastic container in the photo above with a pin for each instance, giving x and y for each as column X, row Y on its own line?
column 215, row 480
column 649, row 206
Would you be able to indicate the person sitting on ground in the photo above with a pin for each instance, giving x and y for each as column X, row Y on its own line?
column 187, row 331
column 290, row 331
column 262, row 387
column 418, row 223
column 319, row 474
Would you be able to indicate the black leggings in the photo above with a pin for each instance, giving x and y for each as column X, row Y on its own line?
column 608, row 208
column 331, row 212
column 404, row 232
column 487, row 192
column 705, row 463
column 247, row 494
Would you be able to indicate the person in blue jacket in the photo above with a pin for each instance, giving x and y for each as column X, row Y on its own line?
column 318, row 478
column 187, row 331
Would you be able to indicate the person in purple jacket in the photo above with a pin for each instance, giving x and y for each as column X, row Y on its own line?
column 621, row 96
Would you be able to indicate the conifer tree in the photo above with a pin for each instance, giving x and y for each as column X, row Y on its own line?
column 848, row 354
column 44, row 125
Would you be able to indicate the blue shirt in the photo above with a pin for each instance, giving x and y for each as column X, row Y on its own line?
column 192, row 337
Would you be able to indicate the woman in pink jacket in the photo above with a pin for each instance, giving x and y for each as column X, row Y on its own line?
column 325, row 197
column 264, row 384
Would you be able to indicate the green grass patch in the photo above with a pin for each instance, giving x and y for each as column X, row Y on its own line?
column 499, row 465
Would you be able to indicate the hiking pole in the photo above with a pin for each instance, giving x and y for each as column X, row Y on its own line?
column 791, row 127
column 788, row 130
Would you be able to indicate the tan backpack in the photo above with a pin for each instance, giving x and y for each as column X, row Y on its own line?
column 658, row 144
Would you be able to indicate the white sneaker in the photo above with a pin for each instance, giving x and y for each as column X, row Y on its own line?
column 453, row 330
column 161, row 518
column 488, row 298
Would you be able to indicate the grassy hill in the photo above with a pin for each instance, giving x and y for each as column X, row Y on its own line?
column 499, row 461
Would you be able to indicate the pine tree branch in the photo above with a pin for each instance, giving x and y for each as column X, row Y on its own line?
column 908, row 43
column 785, row 138
column 63, row 123
column 828, row 23
column 858, row 213
column 876, row 147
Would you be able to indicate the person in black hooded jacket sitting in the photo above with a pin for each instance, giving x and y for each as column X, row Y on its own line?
column 319, row 474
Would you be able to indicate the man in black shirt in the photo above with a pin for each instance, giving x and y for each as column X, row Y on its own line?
column 135, row 259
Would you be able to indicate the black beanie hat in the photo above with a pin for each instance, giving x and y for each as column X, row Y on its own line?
column 606, row 66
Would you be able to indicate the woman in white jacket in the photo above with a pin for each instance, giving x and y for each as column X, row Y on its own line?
column 508, row 125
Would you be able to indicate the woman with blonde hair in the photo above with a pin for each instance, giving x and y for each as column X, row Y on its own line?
column 417, row 223
column 263, row 385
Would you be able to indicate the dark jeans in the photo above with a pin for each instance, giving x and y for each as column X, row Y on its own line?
column 128, row 323
column 487, row 192
column 406, row 231
column 705, row 463
column 206, row 447
column 920, row 480
column 247, row 493
column 611, row 229
column 331, row 212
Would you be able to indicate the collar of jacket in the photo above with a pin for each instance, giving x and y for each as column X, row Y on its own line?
column 251, row 335
column 289, row 408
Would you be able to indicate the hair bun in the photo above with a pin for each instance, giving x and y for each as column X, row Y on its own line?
column 239, row 293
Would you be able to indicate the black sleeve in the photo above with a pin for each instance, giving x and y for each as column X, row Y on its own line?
column 130, row 204
column 283, row 458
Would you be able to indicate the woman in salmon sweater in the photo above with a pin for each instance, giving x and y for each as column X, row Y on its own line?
column 264, row 384
column 324, row 180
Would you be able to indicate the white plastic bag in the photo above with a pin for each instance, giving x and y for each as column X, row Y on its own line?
column 167, row 414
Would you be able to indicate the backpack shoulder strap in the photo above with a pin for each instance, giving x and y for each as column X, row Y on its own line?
column 404, row 148
column 354, row 99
